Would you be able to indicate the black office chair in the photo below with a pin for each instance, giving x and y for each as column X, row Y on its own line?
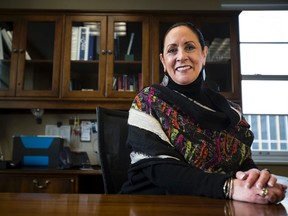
column 114, row 154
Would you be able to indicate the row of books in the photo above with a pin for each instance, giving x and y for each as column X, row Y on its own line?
column 84, row 44
column 6, row 38
column 124, row 82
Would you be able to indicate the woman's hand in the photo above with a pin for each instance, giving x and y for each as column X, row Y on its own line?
column 256, row 177
column 265, row 195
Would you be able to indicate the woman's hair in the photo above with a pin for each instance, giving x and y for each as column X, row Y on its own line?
column 193, row 29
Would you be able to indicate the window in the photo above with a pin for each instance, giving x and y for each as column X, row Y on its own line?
column 264, row 70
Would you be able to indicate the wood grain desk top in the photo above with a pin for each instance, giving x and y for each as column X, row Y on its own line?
column 29, row 204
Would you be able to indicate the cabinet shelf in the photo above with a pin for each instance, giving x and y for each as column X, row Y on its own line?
column 218, row 62
column 39, row 61
column 127, row 62
column 84, row 61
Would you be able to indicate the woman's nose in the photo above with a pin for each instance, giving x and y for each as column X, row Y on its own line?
column 182, row 55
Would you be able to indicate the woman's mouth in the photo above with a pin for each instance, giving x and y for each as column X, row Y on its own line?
column 183, row 68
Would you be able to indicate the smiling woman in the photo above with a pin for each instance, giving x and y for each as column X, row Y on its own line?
column 187, row 138
column 184, row 56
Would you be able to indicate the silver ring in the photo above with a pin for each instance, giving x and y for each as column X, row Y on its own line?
column 264, row 192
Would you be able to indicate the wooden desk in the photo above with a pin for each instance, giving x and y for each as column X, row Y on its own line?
column 27, row 204
column 35, row 180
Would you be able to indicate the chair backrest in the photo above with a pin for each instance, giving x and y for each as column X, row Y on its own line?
column 114, row 154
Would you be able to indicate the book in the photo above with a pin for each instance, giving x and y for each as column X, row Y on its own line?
column 83, row 43
column 74, row 42
column 6, row 39
column 114, row 83
column 130, row 44
column 125, row 82
column 120, row 83
column 92, row 47
column 4, row 76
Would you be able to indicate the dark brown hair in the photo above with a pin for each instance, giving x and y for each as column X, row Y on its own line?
column 193, row 29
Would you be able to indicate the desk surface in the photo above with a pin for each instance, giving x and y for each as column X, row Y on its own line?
column 27, row 204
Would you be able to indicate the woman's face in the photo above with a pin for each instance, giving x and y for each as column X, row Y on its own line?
column 182, row 56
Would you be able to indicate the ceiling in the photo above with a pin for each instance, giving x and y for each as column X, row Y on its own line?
column 149, row 5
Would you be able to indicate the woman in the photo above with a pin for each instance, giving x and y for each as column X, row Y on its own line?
column 187, row 139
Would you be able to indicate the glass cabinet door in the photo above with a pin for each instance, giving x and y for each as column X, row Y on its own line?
column 127, row 55
column 222, row 66
column 7, row 56
column 85, row 56
column 221, row 36
column 159, row 28
column 39, row 56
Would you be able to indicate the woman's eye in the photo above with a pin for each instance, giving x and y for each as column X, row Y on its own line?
column 190, row 47
column 172, row 50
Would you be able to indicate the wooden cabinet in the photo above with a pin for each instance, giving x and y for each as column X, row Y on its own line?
column 114, row 61
column 51, row 181
column 44, row 68
column 220, row 31
column 84, row 73
column 30, row 65
column 222, row 65
column 38, row 184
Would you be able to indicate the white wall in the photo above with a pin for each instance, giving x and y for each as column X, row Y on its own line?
column 25, row 124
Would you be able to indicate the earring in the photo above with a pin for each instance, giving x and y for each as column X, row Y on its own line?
column 165, row 80
column 204, row 73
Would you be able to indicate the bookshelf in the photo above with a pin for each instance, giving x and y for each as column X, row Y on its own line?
column 112, row 60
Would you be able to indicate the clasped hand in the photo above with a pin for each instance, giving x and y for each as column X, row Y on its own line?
column 258, row 187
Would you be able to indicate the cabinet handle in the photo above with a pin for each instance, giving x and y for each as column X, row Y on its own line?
column 21, row 50
column 14, row 50
column 103, row 52
column 109, row 52
column 39, row 186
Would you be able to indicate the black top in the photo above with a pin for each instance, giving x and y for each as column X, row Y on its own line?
column 170, row 176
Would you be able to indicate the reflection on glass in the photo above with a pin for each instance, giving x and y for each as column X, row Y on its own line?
column 237, row 208
column 4, row 75
column 219, row 50
column 218, row 67
column 5, row 53
column 85, row 50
